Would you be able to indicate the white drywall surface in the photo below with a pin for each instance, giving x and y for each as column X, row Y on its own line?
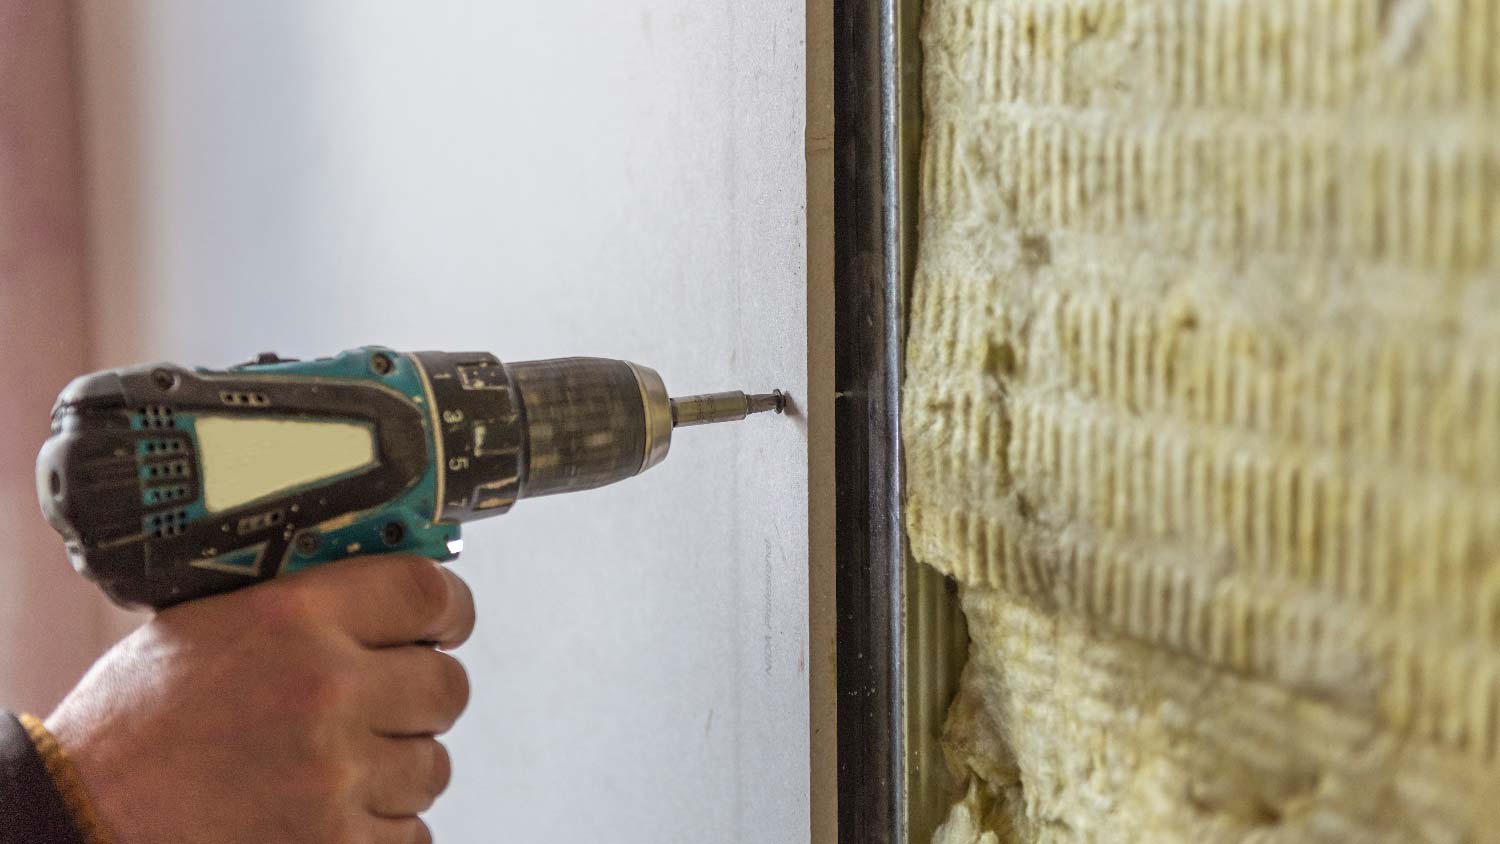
column 609, row 177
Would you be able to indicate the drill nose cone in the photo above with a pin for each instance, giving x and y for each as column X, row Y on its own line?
column 724, row 407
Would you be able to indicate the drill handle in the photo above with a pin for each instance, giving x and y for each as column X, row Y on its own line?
column 169, row 484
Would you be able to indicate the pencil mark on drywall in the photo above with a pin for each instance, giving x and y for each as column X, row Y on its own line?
column 766, row 643
column 773, row 549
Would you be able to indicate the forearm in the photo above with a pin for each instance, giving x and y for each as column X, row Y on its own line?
column 41, row 799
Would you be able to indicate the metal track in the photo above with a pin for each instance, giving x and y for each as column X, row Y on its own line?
column 901, row 636
column 877, row 133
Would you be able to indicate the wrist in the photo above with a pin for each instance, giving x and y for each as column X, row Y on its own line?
column 65, row 779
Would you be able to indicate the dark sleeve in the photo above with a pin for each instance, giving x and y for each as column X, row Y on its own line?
column 31, row 809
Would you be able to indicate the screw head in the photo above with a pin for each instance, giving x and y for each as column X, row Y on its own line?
column 164, row 379
column 381, row 363
column 308, row 542
column 392, row 533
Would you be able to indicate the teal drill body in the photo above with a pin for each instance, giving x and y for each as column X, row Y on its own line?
column 170, row 483
column 413, row 508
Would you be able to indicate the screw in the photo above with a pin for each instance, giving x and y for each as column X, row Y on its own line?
column 164, row 379
column 308, row 542
column 382, row 363
column 392, row 533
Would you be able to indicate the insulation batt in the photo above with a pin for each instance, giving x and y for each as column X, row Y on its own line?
column 1203, row 414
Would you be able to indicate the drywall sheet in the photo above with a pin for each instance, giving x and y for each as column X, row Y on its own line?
column 1203, row 412
column 610, row 178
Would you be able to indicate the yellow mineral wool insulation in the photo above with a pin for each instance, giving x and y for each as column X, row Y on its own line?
column 1203, row 412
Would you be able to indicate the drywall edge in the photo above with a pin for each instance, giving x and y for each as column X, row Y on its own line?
column 821, row 604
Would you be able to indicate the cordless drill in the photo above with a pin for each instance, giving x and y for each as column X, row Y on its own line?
column 170, row 483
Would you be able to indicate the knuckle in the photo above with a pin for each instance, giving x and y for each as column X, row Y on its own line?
column 454, row 684
column 319, row 695
column 421, row 833
column 427, row 588
column 282, row 605
column 330, row 778
column 441, row 772
column 344, row 831
column 464, row 605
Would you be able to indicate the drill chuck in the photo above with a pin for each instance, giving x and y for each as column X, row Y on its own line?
column 524, row 430
column 590, row 422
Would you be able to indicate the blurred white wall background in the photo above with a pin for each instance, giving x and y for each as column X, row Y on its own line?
column 51, row 621
column 613, row 177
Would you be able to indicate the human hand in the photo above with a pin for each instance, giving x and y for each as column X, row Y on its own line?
column 298, row 710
